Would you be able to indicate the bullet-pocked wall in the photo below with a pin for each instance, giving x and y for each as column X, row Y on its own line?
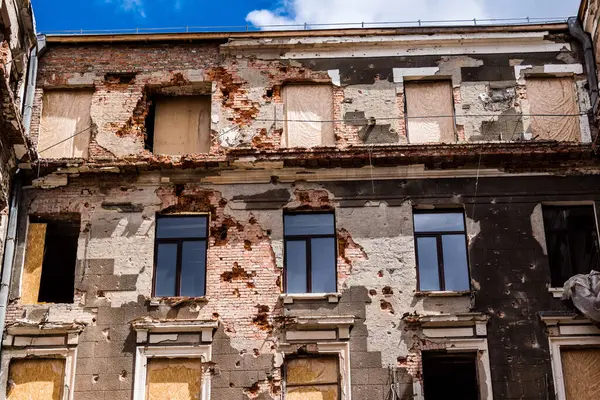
column 481, row 89
column 377, row 277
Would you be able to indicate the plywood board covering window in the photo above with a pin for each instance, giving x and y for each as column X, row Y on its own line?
column 34, row 259
column 581, row 371
column 554, row 109
column 65, row 113
column 182, row 125
column 174, row 379
column 39, row 379
column 314, row 378
column 430, row 112
column 309, row 116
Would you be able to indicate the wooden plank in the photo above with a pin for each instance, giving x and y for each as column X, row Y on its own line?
column 174, row 379
column 322, row 392
column 34, row 258
column 581, row 370
column 40, row 379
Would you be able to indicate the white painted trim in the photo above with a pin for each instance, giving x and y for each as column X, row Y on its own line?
column 342, row 350
column 576, row 69
column 467, row 345
column 555, row 344
column 204, row 352
column 289, row 298
column 334, row 74
column 556, row 292
column 68, row 354
column 401, row 73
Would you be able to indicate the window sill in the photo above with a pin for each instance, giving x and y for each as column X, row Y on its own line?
column 176, row 301
column 444, row 294
column 289, row 298
column 556, row 292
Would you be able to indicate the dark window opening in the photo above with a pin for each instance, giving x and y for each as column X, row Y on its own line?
column 310, row 253
column 57, row 283
column 149, row 124
column 572, row 241
column 450, row 376
column 180, row 256
column 312, row 376
column 441, row 244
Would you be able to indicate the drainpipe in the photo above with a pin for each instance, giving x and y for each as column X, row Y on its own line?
column 576, row 30
column 37, row 51
column 9, row 247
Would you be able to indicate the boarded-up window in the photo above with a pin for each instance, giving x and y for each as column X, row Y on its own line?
column 181, row 125
column 581, row 372
column 41, row 379
column 554, row 109
column 430, row 112
column 66, row 122
column 174, row 379
column 312, row 378
column 309, row 116
column 50, row 258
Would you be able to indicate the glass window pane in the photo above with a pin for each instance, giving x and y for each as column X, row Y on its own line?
column 295, row 261
column 439, row 222
column 181, row 227
column 456, row 267
column 166, row 262
column 429, row 277
column 323, row 265
column 309, row 224
column 193, row 268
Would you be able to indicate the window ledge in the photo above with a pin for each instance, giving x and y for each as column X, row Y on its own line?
column 556, row 292
column 176, row 301
column 444, row 294
column 289, row 298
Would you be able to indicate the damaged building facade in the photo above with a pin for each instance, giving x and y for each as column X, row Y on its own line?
column 341, row 214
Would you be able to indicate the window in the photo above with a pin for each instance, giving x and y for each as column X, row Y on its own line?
column 40, row 379
column 308, row 116
column 450, row 373
column 572, row 241
column 316, row 377
column 310, row 253
column 50, row 259
column 180, row 256
column 66, row 123
column 430, row 111
column 580, row 367
column 179, row 125
column 441, row 244
column 554, row 108
column 172, row 372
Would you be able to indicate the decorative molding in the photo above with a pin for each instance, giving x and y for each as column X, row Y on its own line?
column 146, row 327
column 290, row 298
column 316, row 327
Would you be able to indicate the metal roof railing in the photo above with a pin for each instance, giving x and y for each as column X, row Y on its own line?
column 310, row 26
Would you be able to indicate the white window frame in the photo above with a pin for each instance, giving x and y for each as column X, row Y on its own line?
column 143, row 353
column 342, row 350
column 67, row 354
column 555, row 357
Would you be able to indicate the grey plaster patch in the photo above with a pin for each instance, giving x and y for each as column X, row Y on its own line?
column 451, row 66
column 537, row 227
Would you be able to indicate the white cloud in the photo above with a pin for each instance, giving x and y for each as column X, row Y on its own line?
column 353, row 11
column 134, row 6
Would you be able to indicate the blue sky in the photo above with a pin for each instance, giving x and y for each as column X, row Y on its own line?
column 53, row 15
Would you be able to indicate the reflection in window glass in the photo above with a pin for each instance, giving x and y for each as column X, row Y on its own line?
column 572, row 241
column 310, row 253
column 166, row 262
column 441, row 251
column 180, row 256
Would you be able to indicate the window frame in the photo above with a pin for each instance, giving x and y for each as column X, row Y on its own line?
column 307, row 240
column 548, row 231
column 440, row 255
column 179, row 242
column 335, row 356
column 201, row 352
